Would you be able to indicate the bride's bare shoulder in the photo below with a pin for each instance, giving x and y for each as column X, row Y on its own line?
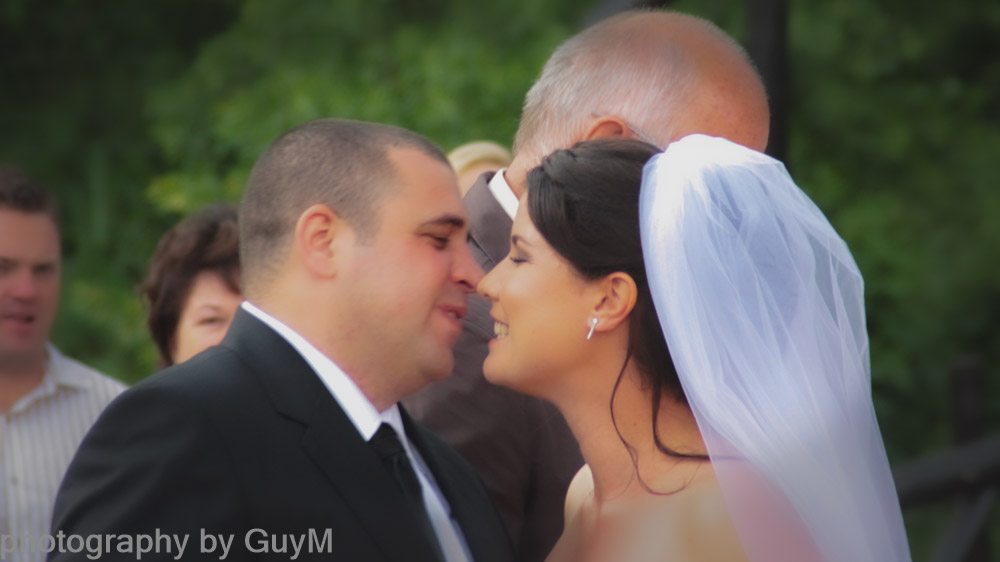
column 706, row 530
column 690, row 524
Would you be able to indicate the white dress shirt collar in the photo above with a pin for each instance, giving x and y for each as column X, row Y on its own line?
column 55, row 371
column 355, row 404
column 503, row 194
column 56, row 376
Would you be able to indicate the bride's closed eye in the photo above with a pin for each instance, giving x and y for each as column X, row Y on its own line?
column 517, row 254
column 518, row 259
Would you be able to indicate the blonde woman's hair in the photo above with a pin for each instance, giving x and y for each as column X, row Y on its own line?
column 469, row 154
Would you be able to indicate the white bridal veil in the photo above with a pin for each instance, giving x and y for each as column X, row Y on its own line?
column 762, row 307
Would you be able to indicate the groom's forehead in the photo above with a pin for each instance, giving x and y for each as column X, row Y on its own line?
column 423, row 192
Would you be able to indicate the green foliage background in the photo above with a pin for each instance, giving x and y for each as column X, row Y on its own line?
column 138, row 112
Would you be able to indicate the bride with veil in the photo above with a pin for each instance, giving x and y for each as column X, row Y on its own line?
column 701, row 327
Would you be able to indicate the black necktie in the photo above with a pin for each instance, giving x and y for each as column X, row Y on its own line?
column 388, row 448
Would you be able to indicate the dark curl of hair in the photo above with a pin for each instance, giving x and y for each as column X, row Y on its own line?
column 208, row 240
column 585, row 202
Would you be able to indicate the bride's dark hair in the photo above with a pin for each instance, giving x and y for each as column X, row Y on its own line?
column 585, row 203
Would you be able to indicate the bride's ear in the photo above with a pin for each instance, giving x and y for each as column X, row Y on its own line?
column 616, row 299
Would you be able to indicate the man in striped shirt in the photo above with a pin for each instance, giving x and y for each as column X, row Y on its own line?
column 47, row 401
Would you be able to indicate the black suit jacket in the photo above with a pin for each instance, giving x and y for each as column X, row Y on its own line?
column 521, row 446
column 245, row 438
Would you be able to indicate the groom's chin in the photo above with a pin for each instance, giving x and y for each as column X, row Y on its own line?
column 439, row 368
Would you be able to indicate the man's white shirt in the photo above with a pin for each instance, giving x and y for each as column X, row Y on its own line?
column 38, row 438
column 503, row 194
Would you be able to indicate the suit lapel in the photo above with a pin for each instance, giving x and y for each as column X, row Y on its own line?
column 489, row 224
column 329, row 438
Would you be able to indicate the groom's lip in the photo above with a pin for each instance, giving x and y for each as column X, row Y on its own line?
column 457, row 310
column 453, row 313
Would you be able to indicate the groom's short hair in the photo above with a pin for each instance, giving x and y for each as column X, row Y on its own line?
column 340, row 163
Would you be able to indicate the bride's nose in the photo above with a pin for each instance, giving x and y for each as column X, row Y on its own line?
column 488, row 285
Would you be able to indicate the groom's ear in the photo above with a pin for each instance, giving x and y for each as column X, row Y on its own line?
column 617, row 295
column 318, row 233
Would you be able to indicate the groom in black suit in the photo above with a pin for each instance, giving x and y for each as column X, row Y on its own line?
column 286, row 442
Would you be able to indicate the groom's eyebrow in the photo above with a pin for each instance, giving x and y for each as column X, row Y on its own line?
column 454, row 221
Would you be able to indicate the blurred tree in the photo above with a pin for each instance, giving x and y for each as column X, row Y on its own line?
column 767, row 44
column 75, row 77
column 453, row 71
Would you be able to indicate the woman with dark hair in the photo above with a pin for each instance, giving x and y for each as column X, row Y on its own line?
column 193, row 283
column 700, row 325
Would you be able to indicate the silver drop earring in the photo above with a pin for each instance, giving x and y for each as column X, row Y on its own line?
column 593, row 324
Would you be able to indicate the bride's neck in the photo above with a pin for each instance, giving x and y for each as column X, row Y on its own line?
column 603, row 437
